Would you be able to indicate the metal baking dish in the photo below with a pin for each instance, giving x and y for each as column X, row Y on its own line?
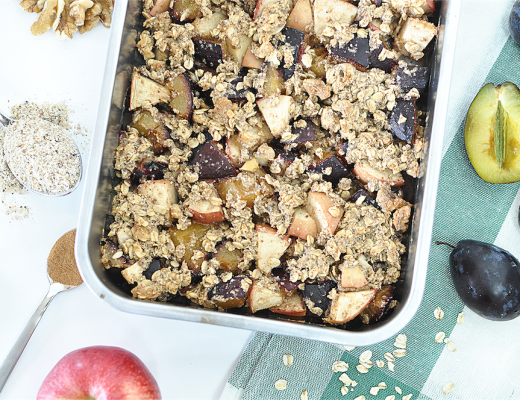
column 96, row 202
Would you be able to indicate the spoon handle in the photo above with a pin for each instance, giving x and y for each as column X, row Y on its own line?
column 4, row 119
column 12, row 358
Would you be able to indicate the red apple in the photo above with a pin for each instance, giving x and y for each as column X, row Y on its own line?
column 100, row 372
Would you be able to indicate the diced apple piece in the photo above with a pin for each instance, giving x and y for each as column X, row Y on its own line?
column 250, row 60
column 332, row 170
column 271, row 246
column 231, row 294
column 191, row 238
column 212, row 163
column 209, row 52
column 239, row 52
column 265, row 293
column 316, row 296
column 253, row 136
column 348, row 305
column 261, row 5
column 302, row 225
column 245, row 186
column 415, row 34
column 330, row 12
column 160, row 6
column 205, row 212
column 429, row 6
column 233, row 150
column 292, row 305
column 352, row 278
column 276, row 112
column 365, row 173
column 378, row 306
column 300, row 16
column 181, row 96
column 161, row 196
column 318, row 206
column 146, row 92
column 185, row 10
column 228, row 259
column 205, row 25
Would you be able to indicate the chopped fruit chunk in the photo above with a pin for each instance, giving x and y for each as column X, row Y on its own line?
column 352, row 278
column 250, row 165
column 232, row 293
column 319, row 62
column 161, row 195
column 363, row 197
column 429, row 6
column 292, row 305
column 151, row 170
column 108, row 250
column 302, row 225
column 265, row 293
column 205, row 25
column 160, row 6
column 357, row 52
column 212, row 163
column 153, row 267
column 185, row 10
column 319, row 206
column 348, row 305
column 245, row 186
column 300, row 16
column 273, row 85
column 206, row 212
column 239, row 52
column 284, row 280
column 271, row 246
column 365, row 173
column 181, row 96
column 208, row 52
column 414, row 36
column 250, row 60
column 403, row 119
column 316, row 296
column 285, row 155
column 306, row 133
column 228, row 259
column 191, row 238
column 331, row 169
column 294, row 39
column 332, row 12
column 261, row 5
column 145, row 92
column 276, row 112
column 153, row 130
column 387, row 65
column 412, row 76
column 378, row 306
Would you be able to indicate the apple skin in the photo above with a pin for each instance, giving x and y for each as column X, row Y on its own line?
column 99, row 372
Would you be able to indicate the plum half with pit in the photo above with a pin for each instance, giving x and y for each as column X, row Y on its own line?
column 492, row 133
column 487, row 279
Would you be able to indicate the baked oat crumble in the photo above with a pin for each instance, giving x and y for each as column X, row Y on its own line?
column 266, row 154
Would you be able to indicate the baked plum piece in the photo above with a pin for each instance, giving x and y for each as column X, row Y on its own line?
column 232, row 293
column 316, row 296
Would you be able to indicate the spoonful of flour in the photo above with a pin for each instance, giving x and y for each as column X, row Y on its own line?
column 42, row 156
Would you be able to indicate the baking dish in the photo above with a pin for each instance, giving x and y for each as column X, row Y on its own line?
column 96, row 201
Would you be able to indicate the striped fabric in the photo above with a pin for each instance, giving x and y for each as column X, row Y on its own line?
column 485, row 363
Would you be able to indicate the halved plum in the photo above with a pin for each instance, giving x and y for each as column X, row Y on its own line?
column 212, row 163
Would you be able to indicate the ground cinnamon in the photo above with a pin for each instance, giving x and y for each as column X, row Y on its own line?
column 62, row 263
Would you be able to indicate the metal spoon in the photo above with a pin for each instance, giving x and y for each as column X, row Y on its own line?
column 12, row 358
column 6, row 121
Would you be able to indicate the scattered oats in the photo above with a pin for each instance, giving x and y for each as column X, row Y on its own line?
column 304, row 395
column 380, row 363
column 400, row 341
column 374, row 390
column 365, row 356
column 399, row 352
column 389, row 357
column 391, row 397
column 362, row 369
column 339, row 366
column 407, row 397
column 460, row 318
column 280, row 384
column 398, row 390
column 438, row 313
column 344, row 390
column 287, row 360
column 354, row 383
column 345, row 379
column 451, row 346
column 448, row 387
column 382, row 385
column 439, row 337
column 360, row 398
column 349, row 348
column 391, row 366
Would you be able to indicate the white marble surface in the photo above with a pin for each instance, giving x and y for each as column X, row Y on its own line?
column 189, row 360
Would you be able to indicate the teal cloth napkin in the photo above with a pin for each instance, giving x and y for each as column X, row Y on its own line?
column 450, row 351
